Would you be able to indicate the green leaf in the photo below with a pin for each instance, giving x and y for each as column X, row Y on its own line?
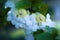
column 52, row 31
column 47, row 34
column 44, row 36
column 23, row 4
column 43, row 8
column 38, row 32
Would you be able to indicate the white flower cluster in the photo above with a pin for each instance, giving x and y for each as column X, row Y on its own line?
column 21, row 18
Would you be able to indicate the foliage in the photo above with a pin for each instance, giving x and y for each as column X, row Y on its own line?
column 3, row 12
column 47, row 34
column 33, row 6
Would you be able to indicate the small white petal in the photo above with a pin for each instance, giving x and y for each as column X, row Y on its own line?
column 49, row 22
column 35, row 27
column 9, row 18
column 32, row 18
column 20, row 20
column 19, row 25
column 13, row 22
column 9, row 4
column 16, row 26
column 9, row 12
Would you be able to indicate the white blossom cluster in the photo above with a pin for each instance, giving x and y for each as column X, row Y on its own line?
column 21, row 18
column 28, row 22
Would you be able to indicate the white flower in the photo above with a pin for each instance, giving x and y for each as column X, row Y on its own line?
column 9, row 18
column 39, row 18
column 13, row 22
column 35, row 27
column 28, row 21
column 9, row 3
column 31, row 23
column 48, row 22
column 32, row 18
column 16, row 20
